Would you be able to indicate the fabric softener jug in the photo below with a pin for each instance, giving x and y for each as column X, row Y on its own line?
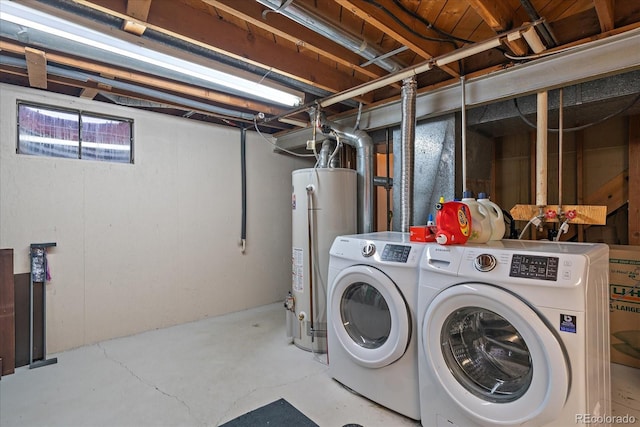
column 453, row 222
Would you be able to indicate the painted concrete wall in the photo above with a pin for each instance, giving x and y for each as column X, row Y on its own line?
column 151, row 244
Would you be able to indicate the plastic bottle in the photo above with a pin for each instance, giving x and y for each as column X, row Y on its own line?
column 453, row 223
column 496, row 216
column 480, row 221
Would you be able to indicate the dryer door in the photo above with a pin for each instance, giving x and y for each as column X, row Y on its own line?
column 495, row 357
column 369, row 316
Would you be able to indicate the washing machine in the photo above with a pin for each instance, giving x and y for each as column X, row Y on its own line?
column 371, row 316
column 514, row 333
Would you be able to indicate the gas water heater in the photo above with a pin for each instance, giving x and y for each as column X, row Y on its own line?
column 324, row 206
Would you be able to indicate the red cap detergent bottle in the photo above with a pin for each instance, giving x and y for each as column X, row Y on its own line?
column 453, row 222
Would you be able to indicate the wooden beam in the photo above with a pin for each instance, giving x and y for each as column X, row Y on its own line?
column 155, row 82
column 634, row 180
column 499, row 18
column 596, row 215
column 201, row 29
column 89, row 92
column 580, row 177
column 386, row 27
column 613, row 194
column 36, row 67
column 301, row 37
column 139, row 9
column 605, row 10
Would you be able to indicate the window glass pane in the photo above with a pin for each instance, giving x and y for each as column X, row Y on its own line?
column 106, row 139
column 47, row 132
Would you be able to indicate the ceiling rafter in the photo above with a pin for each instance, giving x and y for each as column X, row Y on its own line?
column 113, row 73
column 304, row 39
column 203, row 30
column 387, row 29
column 606, row 12
column 499, row 18
column 36, row 67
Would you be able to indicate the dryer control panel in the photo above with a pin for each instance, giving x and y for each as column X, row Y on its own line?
column 534, row 267
column 395, row 253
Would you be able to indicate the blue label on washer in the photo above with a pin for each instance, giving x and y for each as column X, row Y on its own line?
column 568, row 323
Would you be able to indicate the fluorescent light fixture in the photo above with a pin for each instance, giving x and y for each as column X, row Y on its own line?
column 27, row 17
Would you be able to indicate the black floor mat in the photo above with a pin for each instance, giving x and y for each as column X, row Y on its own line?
column 276, row 414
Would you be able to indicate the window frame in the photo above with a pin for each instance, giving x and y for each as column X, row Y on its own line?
column 79, row 113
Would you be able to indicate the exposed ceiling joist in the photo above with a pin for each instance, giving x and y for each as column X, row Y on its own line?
column 201, row 29
column 251, row 12
column 112, row 72
column 387, row 28
column 317, row 50
column 605, row 10
column 36, row 67
column 499, row 19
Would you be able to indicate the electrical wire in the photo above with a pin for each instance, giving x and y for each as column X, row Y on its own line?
column 255, row 124
column 577, row 128
column 428, row 24
column 450, row 38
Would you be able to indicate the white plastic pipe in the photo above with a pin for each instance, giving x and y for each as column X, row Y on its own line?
column 541, row 149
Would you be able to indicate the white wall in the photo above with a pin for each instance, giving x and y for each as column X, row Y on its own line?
column 151, row 244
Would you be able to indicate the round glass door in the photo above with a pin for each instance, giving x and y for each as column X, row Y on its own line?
column 369, row 316
column 365, row 315
column 486, row 354
column 494, row 356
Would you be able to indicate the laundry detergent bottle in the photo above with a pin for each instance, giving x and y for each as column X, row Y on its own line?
column 480, row 221
column 453, row 223
column 495, row 215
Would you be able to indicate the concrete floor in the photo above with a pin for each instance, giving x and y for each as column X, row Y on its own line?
column 203, row 374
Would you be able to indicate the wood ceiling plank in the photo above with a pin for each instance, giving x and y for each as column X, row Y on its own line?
column 155, row 82
column 36, row 67
column 499, row 18
column 606, row 12
column 301, row 37
column 138, row 9
column 494, row 13
column 385, row 25
column 203, row 30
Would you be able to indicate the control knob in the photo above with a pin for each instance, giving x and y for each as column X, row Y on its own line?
column 485, row 262
column 368, row 250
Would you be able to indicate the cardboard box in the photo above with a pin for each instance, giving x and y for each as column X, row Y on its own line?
column 624, row 301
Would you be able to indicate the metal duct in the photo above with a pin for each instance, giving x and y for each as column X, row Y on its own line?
column 325, row 152
column 321, row 26
column 363, row 144
column 408, row 134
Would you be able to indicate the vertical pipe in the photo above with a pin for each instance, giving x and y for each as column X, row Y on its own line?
column 408, row 135
column 463, row 111
column 560, row 148
column 243, row 171
column 388, row 187
column 541, row 150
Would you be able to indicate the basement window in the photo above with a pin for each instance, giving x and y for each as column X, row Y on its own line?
column 74, row 134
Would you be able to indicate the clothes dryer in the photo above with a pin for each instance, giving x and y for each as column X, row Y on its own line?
column 371, row 316
column 514, row 333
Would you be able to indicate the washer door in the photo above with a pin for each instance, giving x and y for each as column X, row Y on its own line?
column 369, row 316
column 494, row 356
